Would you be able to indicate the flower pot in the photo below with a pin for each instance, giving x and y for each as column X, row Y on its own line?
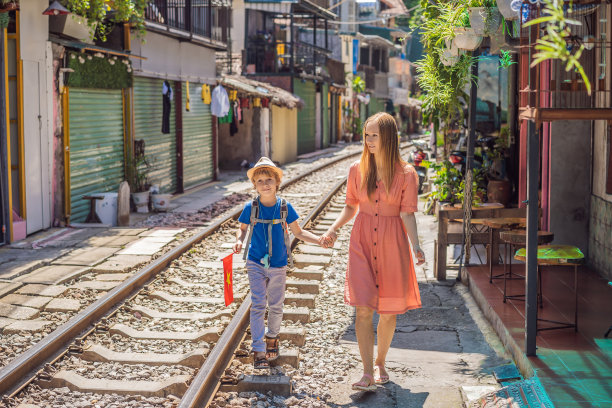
column 506, row 10
column 466, row 39
column 73, row 26
column 484, row 20
column 141, row 201
column 499, row 191
column 160, row 202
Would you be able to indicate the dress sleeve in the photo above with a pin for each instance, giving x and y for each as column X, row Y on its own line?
column 352, row 196
column 410, row 191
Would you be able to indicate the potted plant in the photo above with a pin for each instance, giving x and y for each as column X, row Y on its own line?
column 484, row 16
column 139, row 185
column 8, row 5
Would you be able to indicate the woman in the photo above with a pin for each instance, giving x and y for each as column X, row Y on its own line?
column 380, row 276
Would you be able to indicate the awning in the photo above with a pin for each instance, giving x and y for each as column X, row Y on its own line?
column 258, row 89
column 81, row 46
column 375, row 40
column 284, row 7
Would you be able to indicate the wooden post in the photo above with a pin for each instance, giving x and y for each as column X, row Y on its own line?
column 440, row 261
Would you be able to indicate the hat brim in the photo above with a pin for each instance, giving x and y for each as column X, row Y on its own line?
column 274, row 169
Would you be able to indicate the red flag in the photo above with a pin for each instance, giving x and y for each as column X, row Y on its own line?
column 228, row 279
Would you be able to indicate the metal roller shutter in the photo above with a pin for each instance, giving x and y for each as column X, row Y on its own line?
column 160, row 148
column 306, row 116
column 197, row 139
column 96, row 145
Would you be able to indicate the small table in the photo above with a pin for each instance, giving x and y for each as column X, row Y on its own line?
column 92, row 217
column 516, row 238
column 499, row 224
column 557, row 255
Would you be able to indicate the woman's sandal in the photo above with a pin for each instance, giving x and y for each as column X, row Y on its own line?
column 271, row 348
column 379, row 378
column 362, row 385
column 260, row 363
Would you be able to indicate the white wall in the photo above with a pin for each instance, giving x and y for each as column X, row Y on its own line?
column 168, row 58
column 37, row 112
column 238, row 25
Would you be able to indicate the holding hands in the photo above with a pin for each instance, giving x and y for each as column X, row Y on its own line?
column 328, row 239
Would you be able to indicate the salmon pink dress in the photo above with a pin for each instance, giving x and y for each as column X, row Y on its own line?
column 380, row 272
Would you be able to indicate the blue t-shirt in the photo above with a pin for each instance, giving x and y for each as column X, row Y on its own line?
column 259, row 241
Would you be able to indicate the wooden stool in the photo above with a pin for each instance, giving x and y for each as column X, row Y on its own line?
column 557, row 255
column 518, row 238
column 92, row 217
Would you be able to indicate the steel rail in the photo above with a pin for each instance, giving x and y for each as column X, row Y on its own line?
column 13, row 374
column 206, row 382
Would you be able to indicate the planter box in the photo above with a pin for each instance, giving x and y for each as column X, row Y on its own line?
column 72, row 26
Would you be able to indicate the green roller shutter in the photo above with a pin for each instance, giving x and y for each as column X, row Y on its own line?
column 197, row 139
column 325, row 115
column 160, row 148
column 96, row 145
column 306, row 116
column 376, row 105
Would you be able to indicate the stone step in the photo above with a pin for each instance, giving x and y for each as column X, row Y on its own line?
column 303, row 260
column 300, row 300
column 99, row 353
column 296, row 335
column 289, row 357
column 176, row 385
column 208, row 334
column 306, row 275
column 300, row 314
column 304, row 286
column 156, row 314
column 37, row 302
column 277, row 384
column 18, row 312
column 29, row 326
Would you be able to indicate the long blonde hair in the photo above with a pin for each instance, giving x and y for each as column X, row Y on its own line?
column 389, row 153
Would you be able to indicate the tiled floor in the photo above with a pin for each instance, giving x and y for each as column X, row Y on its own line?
column 575, row 368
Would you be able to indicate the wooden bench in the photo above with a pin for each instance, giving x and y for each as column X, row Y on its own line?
column 446, row 215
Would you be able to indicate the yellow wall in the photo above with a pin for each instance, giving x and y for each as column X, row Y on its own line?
column 284, row 134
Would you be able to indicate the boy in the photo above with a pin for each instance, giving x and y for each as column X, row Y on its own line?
column 267, row 256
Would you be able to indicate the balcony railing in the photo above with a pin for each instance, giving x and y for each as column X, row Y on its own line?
column 276, row 57
column 200, row 17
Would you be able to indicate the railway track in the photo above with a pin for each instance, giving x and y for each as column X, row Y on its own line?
column 163, row 337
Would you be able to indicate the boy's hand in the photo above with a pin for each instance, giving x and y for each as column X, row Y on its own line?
column 237, row 247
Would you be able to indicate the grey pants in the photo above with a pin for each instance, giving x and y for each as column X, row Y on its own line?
column 267, row 289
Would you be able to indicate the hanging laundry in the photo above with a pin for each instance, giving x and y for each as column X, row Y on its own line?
column 233, row 95
column 167, row 97
column 220, row 102
column 265, row 102
column 227, row 118
column 257, row 102
column 244, row 103
column 233, row 123
column 206, row 94
column 238, row 111
column 187, row 97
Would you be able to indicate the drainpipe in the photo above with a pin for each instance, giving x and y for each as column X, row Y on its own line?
column 5, row 234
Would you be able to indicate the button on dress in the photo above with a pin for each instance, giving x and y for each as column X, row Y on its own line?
column 380, row 272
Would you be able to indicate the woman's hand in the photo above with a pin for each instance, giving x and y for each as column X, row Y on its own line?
column 420, row 255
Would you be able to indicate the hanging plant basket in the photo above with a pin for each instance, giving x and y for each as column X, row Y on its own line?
column 506, row 10
column 466, row 39
column 484, row 20
column 452, row 47
column 10, row 6
column 447, row 58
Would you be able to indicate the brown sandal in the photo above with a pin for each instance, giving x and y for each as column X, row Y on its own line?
column 271, row 348
column 260, row 363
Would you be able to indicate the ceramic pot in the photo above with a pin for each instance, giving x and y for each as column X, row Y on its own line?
column 141, row 201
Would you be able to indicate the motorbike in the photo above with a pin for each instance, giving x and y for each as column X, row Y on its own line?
column 417, row 157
